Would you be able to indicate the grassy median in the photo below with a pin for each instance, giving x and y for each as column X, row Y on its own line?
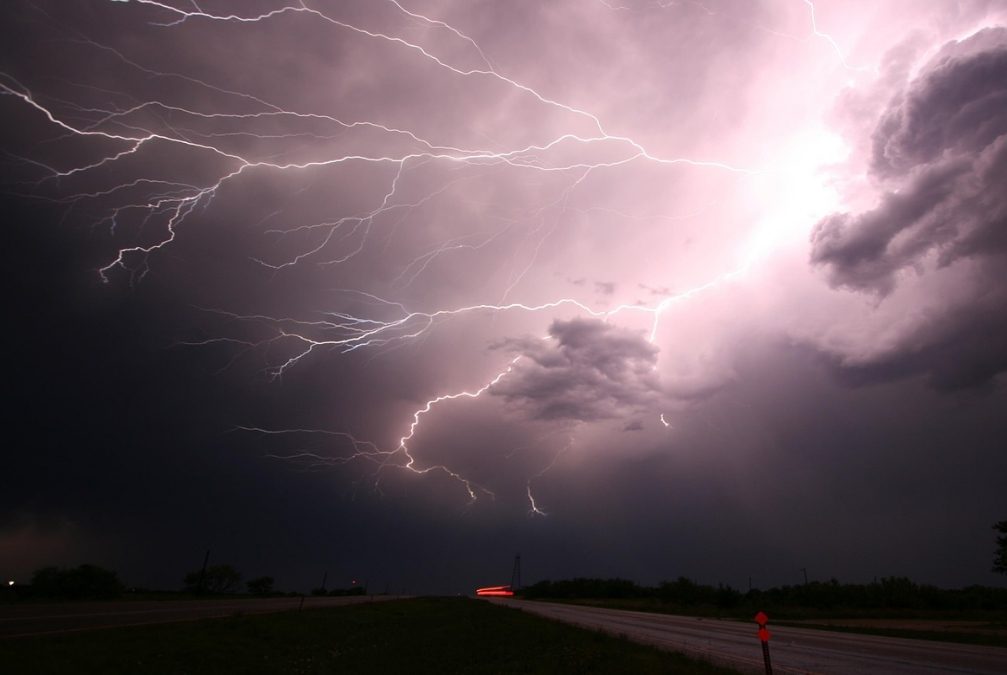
column 425, row 635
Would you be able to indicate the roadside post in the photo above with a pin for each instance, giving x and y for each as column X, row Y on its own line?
column 761, row 619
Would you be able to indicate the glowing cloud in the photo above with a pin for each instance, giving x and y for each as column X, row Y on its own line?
column 543, row 216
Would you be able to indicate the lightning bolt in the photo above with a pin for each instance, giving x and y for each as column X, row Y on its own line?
column 832, row 42
column 121, row 133
column 533, row 508
column 403, row 447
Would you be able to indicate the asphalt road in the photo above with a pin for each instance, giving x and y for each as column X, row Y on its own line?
column 793, row 650
column 22, row 620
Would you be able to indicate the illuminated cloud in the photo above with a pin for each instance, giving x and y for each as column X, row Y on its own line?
column 258, row 251
column 941, row 152
column 589, row 370
column 940, row 158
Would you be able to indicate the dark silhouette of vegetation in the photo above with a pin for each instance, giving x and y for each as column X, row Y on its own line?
column 1000, row 555
column 890, row 593
column 216, row 579
column 260, row 585
column 85, row 582
column 684, row 591
column 355, row 590
column 585, row 588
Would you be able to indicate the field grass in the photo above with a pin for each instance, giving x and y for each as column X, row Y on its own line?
column 959, row 636
column 424, row 635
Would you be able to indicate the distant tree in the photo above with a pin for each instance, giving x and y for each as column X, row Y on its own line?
column 85, row 582
column 45, row 582
column 260, row 586
column 217, row 579
column 899, row 592
column 726, row 597
column 684, row 591
column 1000, row 555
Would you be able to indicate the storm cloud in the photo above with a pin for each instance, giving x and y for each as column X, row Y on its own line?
column 940, row 159
column 371, row 287
column 587, row 371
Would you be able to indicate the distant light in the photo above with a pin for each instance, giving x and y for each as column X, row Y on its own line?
column 354, row 582
column 10, row 583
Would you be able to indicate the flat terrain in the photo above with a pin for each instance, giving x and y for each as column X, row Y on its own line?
column 19, row 620
column 793, row 650
column 922, row 625
column 424, row 635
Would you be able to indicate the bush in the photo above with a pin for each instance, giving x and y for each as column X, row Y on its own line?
column 86, row 582
column 216, row 579
column 260, row 585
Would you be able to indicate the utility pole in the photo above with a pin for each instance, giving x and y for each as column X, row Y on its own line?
column 805, row 570
column 202, row 573
column 325, row 578
column 515, row 577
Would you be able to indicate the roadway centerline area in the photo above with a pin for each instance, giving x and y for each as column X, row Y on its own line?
column 793, row 650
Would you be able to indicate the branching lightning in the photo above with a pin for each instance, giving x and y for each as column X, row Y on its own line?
column 533, row 508
column 123, row 132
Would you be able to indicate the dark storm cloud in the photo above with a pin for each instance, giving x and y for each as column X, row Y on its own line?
column 959, row 105
column 127, row 455
column 940, row 151
column 862, row 252
column 964, row 348
column 943, row 147
column 589, row 370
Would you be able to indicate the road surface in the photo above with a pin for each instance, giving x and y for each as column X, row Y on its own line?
column 22, row 620
column 793, row 650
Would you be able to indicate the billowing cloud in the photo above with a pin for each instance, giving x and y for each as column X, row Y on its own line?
column 588, row 370
column 939, row 155
column 961, row 348
column 312, row 221
column 957, row 106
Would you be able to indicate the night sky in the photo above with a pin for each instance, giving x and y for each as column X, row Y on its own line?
column 398, row 290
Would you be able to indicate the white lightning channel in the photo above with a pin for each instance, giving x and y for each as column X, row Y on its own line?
column 172, row 203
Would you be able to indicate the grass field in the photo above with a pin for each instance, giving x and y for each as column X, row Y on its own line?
column 426, row 635
column 967, row 632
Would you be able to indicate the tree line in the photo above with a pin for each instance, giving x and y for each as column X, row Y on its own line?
column 886, row 593
column 91, row 582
